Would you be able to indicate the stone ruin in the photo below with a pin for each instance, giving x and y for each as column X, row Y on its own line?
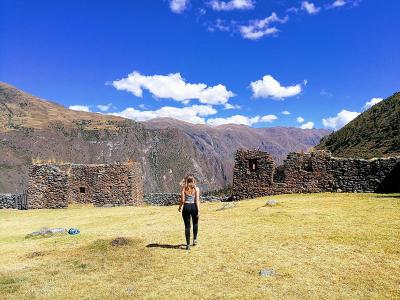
column 56, row 185
column 255, row 174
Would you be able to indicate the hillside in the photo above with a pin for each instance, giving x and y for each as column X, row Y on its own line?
column 374, row 133
column 223, row 141
column 20, row 110
column 32, row 128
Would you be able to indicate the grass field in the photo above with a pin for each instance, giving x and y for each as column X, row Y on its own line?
column 329, row 246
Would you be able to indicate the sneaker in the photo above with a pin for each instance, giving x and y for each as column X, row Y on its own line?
column 194, row 242
column 187, row 247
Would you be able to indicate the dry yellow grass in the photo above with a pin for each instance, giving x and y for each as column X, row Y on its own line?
column 329, row 246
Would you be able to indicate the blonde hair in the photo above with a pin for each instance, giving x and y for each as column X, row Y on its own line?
column 188, row 183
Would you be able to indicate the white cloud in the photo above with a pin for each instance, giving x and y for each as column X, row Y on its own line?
column 240, row 119
column 300, row 119
column 178, row 6
column 371, row 103
column 173, row 86
column 194, row 114
column 269, row 87
column 268, row 118
column 236, row 119
column 202, row 12
column 256, row 29
column 285, row 112
column 326, row 93
column 339, row 3
column 231, row 5
column 308, row 125
column 292, row 10
column 104, row 107
column 80, row 108
column 340, row 119
column 221, row 25
column 202, row 110
column 309, row 7
column 231, row 106
column 346, row 116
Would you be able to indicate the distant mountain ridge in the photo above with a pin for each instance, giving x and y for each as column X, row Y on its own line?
column 32, row 128
column 374, row 133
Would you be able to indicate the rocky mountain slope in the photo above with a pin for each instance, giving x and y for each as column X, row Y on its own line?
column 35, row 129
column 374, row 133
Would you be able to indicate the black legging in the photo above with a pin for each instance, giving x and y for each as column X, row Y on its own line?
column 190, row 209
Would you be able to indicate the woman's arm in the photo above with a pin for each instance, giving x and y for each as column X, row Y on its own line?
column 197, row 200
column 182, row 199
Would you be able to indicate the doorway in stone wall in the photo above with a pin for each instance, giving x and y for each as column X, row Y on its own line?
column 391, row 183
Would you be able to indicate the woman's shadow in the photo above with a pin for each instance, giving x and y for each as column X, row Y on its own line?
column 165, row 246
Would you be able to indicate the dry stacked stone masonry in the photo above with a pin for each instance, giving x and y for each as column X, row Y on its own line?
column 255, row 174
column 165, row 199
column 56, row 185
column 8, row 201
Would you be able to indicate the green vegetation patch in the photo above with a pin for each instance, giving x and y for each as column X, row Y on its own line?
column 374, row 133
column 9, row 284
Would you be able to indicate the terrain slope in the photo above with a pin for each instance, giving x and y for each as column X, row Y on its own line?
column 35, row 129
column 374, row 133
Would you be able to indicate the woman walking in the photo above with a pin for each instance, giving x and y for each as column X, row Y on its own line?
column 190, row 200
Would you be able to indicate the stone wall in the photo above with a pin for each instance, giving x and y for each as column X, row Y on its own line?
column 47, row 187
column 118, row 185
column 164, row 199
column 8, row 201
column 81, row 182
column 54, row 186
column 255, row 174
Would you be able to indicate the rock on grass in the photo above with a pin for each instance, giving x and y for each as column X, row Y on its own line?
column 267, row 272
column 120, row 241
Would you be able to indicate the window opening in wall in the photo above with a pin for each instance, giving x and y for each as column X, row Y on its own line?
column 307, row 165
column 253, row 165
column 82, row 190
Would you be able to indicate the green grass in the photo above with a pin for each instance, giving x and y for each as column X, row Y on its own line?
column 330, row 246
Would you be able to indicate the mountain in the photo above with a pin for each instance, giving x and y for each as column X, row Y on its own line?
column 35, row 129
column 374, row 133
column 223, row 141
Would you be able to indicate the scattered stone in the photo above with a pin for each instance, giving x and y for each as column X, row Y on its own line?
column 271, row 203
column 267, row 272
column 47, row 232
column 120, row 241
column 35, row 254
column 227, row 206
column 339, row 191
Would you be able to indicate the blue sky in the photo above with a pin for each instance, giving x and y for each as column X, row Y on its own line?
column 209, row 61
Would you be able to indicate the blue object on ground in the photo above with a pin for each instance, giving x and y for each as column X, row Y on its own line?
column 73, row 231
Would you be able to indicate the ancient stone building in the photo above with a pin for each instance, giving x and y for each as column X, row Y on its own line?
column 56, row 185
column 255, row 174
